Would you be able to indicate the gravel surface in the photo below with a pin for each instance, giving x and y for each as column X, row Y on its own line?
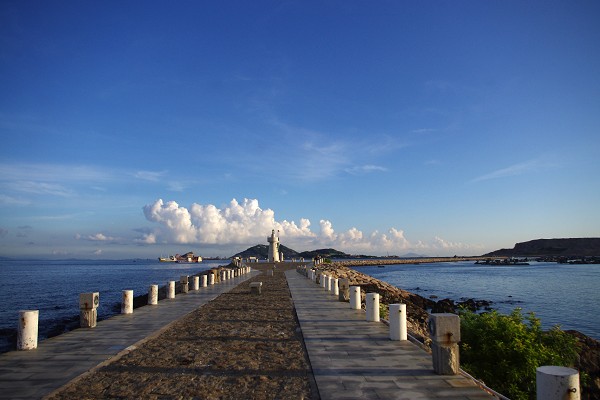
column 238, row 346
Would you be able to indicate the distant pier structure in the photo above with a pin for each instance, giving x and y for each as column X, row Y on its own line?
column 274, row 247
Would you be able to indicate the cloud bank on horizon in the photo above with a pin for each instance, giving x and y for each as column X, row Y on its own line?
column 246, row 223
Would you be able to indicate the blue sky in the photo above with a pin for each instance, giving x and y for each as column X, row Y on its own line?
column 434, row 127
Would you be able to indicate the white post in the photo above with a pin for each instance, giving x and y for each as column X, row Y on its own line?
column 211, row 279
column 334, row 284
column 204, row 280
column 196, row 283
column 372, row 307
column 171, row 290
column 127, row 303
column 397, row 320
column 153, row 295
column 557, row 383
column 27, row 332
column 355, row 297
column 324, row 281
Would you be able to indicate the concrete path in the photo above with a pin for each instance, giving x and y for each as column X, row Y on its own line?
column 354, row 359
column 34, row 374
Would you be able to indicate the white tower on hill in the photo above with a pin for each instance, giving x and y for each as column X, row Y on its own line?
column 273, row 247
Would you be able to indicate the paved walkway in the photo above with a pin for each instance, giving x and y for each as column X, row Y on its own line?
column 354, row 359
column 34, row 374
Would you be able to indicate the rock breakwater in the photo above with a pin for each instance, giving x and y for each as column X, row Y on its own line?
column 416, row 305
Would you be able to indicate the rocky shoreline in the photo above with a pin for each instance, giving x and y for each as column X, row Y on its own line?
column 418, row 309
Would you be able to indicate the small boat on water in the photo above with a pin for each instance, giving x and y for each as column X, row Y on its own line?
column 167, row 259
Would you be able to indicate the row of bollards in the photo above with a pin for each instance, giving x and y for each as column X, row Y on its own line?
column 345, row 293
column 27, row 329
column 552, row 382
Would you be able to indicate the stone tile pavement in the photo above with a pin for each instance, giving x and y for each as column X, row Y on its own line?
column 33, row 374
column 354, row 359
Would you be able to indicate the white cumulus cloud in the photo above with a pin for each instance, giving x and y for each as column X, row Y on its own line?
column 235, row 223
column 246, row 223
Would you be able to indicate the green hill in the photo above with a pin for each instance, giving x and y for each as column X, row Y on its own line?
column 261, row 251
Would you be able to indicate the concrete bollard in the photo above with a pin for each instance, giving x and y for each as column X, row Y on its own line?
column 204, row 280
column 324, row 280
column 355, row 297
column 171, row 290
column 256, row 287
column 372, row 307
column 330, row 283
column 196, row 283
column 153, row 295
column 444, row 331
column 27, row 330
column 88, row 309
column 344, row 290
column 557, row 383
column 185, row 283
column 397, row 320
column 127, row 303
column 334, row 285
column 211, row 279
column 222, row 276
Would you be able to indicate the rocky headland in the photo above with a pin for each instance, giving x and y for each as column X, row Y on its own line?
column 565, row 247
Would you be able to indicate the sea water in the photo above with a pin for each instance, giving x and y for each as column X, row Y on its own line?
column 53, row 288
column 559, row 294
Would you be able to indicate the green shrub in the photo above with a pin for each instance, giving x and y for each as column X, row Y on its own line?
column 384, row 311
column 505, row 350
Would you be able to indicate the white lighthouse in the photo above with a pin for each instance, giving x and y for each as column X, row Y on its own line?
column 273, row 247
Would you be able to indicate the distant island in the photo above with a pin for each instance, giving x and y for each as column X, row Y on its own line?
column 553, row 248
column 260, row 251
column 567, row 248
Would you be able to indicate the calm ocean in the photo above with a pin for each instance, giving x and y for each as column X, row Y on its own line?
column 53, row 287
column 567, row 295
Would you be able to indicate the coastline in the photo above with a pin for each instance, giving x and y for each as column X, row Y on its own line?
column 392, row 261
